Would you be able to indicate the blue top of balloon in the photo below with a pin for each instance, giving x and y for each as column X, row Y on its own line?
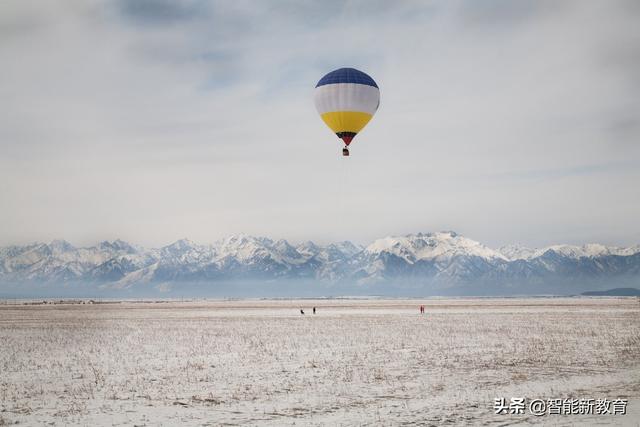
column 347, row 75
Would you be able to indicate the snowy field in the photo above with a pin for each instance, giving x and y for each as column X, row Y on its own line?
column 356, row 362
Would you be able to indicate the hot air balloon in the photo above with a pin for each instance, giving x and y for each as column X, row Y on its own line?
column 346, row 100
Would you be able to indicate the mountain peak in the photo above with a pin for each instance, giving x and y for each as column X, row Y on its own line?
column 447, row 244
column 117, row 245
column 61, row 245
column 179, row 247
column 346, row 247
column 182, row 243
column 244, row 239
column 517, row 252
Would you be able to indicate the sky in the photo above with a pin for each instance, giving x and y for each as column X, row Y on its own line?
column 151, row 121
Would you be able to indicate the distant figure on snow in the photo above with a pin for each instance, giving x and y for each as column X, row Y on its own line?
column 422, row 309
column 314, row 310
column 301, row 311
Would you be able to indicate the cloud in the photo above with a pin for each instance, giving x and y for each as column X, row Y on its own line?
column 503, row 14
column 153, row 120
column 162, row 12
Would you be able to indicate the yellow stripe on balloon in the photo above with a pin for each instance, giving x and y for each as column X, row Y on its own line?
column 346, row 121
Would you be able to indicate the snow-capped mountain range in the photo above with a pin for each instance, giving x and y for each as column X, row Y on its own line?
column 425, row 263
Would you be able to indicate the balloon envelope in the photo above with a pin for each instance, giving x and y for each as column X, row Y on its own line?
column 346, row 100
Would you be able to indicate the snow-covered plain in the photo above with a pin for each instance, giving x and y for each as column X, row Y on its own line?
column 355, row 362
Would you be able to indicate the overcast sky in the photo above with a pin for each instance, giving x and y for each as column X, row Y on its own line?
column 150, row 121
